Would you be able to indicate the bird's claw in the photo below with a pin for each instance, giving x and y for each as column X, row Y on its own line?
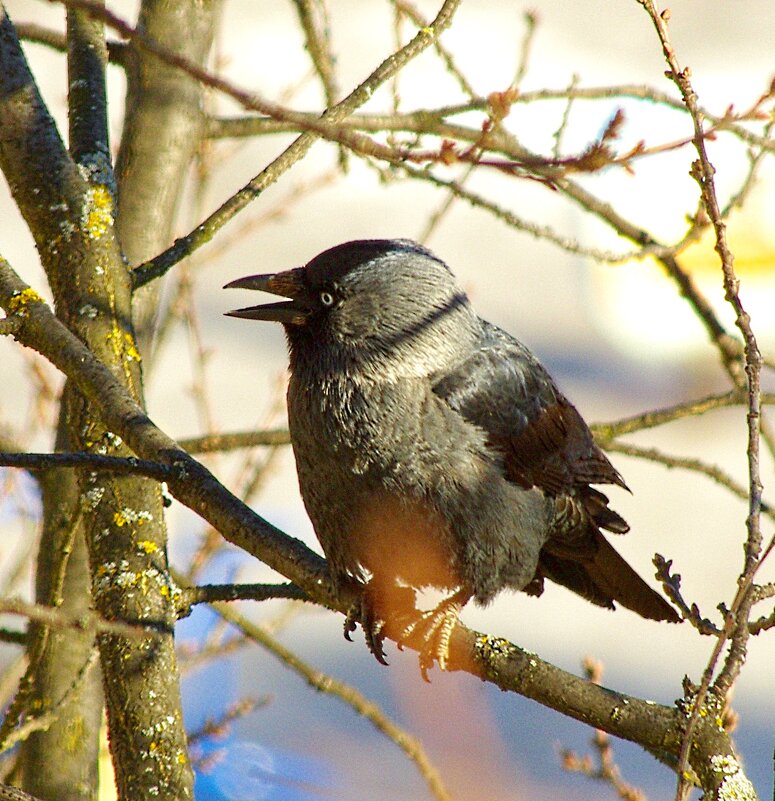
column 351, row 621
column 397, row 602
column 433, row 630
column 362, row 611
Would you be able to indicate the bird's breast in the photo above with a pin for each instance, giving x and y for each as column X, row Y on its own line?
column 403, row 537
column 396, row 481
column 365, row 480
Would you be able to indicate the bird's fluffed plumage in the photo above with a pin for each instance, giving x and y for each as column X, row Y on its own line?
column 433, row 449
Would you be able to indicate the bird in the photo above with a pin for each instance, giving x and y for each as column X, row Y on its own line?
column 433, row 450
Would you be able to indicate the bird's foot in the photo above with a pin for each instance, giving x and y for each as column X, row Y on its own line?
column 434, row 629
column 363, row 612
column 376, row 608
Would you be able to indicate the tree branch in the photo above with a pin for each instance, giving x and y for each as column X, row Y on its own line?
column 93, row 461
column 736, row 622
column 212, row 593
column 326, row 124
column 214, row 443
column 657, row 728
column 411, row 746
column 38, row 34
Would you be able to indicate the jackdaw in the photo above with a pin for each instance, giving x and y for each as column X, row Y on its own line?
column 434, row 450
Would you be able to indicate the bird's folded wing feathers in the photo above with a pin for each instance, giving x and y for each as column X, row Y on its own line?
column 544, row 441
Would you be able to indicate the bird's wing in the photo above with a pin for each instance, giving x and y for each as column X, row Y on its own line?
column 544, row 441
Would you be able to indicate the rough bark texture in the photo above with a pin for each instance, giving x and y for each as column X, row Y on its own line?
column 70, row 208
column 162, row 131
column 58, row 657
column 63, row 578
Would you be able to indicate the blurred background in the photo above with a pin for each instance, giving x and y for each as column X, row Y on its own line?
column 617, row 337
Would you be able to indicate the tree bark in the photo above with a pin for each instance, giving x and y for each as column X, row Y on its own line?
column 57, row 657
column 162, row 132
column 70, row 208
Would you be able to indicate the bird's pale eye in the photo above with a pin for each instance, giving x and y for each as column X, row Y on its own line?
column 327, row 298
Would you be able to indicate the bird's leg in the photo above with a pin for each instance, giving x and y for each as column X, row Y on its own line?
column 435, row 628
column 380, row 604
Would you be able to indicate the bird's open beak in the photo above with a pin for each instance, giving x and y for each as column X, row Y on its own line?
column 288, row 284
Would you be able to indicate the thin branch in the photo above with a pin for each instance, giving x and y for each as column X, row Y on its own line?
column 671, row 582
column 39, row 34
column 494, row 122
column 650, row 247
column 322, row 682
column 563, row 126
column 686, row 463
column 217, row 727
column 313, row 16
column 92, row 461
column 14, row 637
column 446, row 57
column 248, row 126
column 324, row 125
column 211, row 650
column 211, row 593
column 703, row 172
column 736, row 621
column 755, row 160
column 543, row 232
column 405, row 8
column 56, row 618
column 764, row 591
column 762, row 624
column 606, row 770
column 657, row 417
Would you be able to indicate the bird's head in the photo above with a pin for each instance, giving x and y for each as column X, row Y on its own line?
column 388, row 301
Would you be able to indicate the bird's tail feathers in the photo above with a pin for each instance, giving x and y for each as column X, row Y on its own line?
column 604, row 577
column 611, row 573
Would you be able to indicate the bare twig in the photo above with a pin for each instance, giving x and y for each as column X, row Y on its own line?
column 324, row 683
column 212, row 443
column 736, row 621
column 562, row 127
column 13, row 636
column 606, row 770
column 686, row 463
column 671, row 583
column 657, row 417
column 434, row 219
column 217, row 727
column 313, row 15
column 447, row 58
column 210, row 593
column 326, row 124
column 414, row 120
column 194, row 658
column 91, row 461
column 39, row 34
column 57, row 618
